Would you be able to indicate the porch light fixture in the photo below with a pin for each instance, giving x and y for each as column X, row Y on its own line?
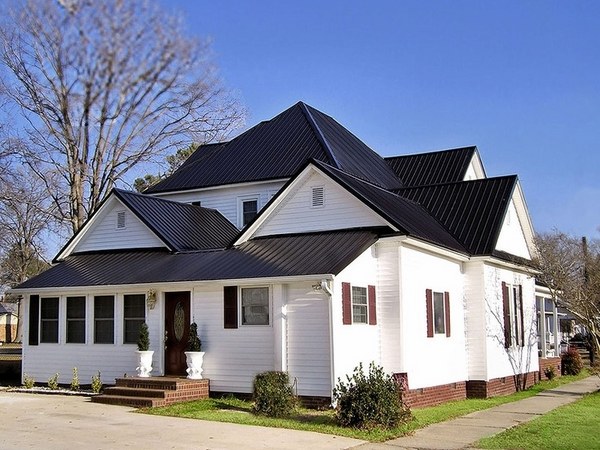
column 151, row 298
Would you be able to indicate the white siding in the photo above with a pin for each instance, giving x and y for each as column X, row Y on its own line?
column 112, row 360
column 500, row 361
column 233, row 356
column 475, row 320
column 354, row 343
column 389, row 307
column 104, row 235
column 225, row 199
column 308, row 340
column 296, row 215
column 475, row 170
column 511, row 238
column 440, row 359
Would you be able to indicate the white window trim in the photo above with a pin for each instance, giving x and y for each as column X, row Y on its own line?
column 240, row 307
column 240, row 207
column 352, row 286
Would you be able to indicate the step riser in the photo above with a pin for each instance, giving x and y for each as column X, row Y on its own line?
column 140, row 393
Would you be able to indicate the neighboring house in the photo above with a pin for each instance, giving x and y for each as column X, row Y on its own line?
column 9, row 320
column 420, row 263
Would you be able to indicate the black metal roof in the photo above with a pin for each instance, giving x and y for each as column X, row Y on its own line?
column 406, row 215
column 473, row 211
column 423, row 169
column 276, row 149
column 275, row 256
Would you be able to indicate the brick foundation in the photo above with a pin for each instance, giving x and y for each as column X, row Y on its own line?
column 497, row 386
column 434, row 395
column 549, row 362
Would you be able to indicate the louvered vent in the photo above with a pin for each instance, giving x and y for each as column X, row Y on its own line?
column 318, row 196
column 120, row 220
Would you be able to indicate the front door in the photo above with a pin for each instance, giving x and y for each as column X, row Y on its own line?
column 177, row 328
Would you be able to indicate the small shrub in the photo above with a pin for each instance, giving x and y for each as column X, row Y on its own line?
column 28, row 381
column 75, row 380
column 273, row 394
column 194, row 344
column 550, row 372
column 96, row 383
column 571, row 362
column 143, row 342
column 369, row 401
column 53, row 382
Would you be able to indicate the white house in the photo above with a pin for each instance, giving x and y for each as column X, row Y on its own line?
column 296, row 247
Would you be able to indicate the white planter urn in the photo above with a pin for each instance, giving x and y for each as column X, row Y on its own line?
column 194, row 363
column 144, row 363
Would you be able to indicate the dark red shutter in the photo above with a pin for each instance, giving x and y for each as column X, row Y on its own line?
column 34, row 319
column 372, row 306
column 506, row 310
column 429, row 308
column 447, row 310
column 522, row 318
column 230, row 307
column 346, row 304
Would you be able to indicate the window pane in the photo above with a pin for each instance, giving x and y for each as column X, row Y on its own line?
column 49, row 320
column 255, row 306
column 249, row 210
column 76, row 320
column 104, row 319
column 438, row 313
column 134, row 316
column 359, row 304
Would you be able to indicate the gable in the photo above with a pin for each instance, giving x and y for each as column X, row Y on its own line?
column 106, row 234
column 475, row 170
column 340, row 210
column 516, row 234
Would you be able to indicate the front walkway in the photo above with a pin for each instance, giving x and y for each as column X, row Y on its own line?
column 464, row 431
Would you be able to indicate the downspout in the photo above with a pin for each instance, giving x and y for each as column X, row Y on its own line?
column 328, row 289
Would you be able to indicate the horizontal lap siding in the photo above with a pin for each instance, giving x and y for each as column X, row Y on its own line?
column 341, row 210
column 388, row 303
column 233, row 356
column 308, row 341
column 475, row 320
column 104, row 234
column 225, row 200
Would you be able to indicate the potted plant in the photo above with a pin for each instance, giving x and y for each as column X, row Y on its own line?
column 144, row 355
column 194, row 355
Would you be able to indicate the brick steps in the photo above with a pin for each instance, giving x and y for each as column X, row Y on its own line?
column 153, row 392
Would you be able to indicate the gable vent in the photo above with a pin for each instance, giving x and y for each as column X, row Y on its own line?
column 120, row 220
column 318, row 196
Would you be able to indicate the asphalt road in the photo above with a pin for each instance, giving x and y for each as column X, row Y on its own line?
column 36, row 421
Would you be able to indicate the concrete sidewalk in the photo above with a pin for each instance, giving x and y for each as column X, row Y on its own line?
column 466, row 430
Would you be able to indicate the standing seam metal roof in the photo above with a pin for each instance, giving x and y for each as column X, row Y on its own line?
column 473, row 211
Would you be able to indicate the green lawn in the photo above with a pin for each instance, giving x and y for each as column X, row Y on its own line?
column 238, row 411
column 573, row 426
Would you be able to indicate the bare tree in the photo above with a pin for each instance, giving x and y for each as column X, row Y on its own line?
column 104, row 87
column 570, row 268
column 25, row 216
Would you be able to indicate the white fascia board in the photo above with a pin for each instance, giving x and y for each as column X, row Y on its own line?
column 220, row 186
column 426, row 246
column 173, row 286
column 524, row 218
column 492, row 260
column 87, row 226
column 478, row 164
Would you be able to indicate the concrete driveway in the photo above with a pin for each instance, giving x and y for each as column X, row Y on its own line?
column 63, row 422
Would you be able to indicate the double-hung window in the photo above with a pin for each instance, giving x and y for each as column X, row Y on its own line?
column 512, row 304
column 76, row 320
column 134, row 314
column 49, row 320
column 104, row 319
column 247, row 210
column 359, row 304
column 255, row 306
column 438, row 313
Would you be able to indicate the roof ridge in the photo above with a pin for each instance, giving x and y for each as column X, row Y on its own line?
column 318, row 132
column 431, row 152
column 161, row 199
column 448, row 183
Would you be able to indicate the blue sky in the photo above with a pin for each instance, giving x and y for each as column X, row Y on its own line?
column 519, row 79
